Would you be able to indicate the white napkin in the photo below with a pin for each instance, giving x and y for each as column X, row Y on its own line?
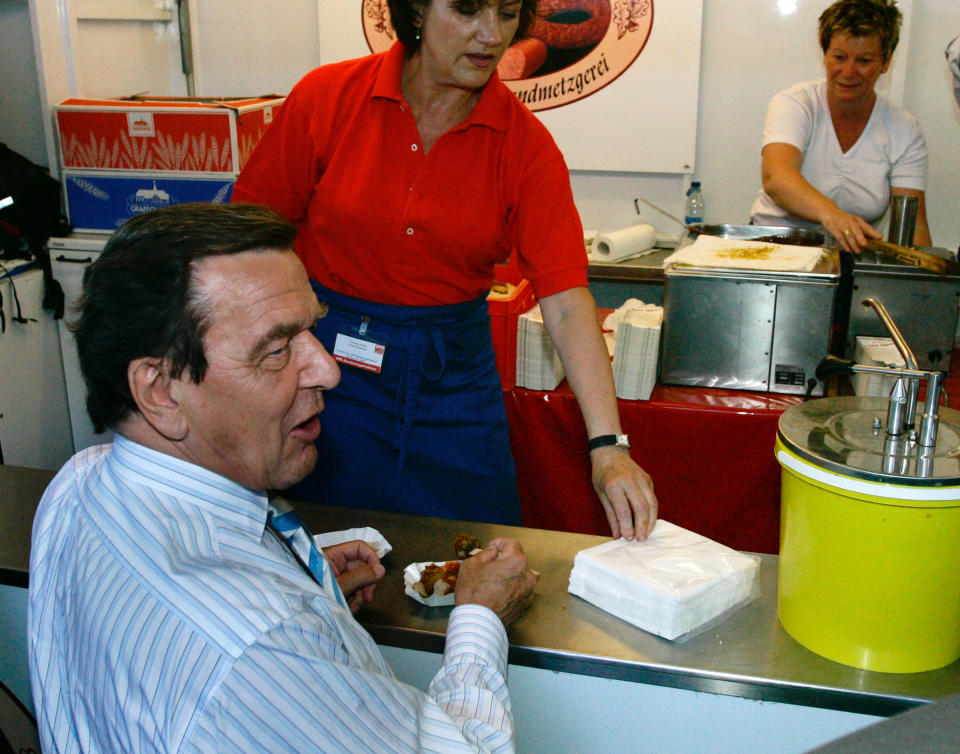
column 711, row 251
column 612, row 320
column 366, row 534
column 672, row 584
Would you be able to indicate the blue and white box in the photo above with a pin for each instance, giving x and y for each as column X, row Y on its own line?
column 101, row 201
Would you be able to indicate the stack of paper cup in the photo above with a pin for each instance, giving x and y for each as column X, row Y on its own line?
column 538, row 363
column 637, row 352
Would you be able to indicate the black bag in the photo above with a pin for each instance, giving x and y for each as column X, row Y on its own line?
column 33, row 217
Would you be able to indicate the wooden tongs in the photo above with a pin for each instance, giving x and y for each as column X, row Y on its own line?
column 915, row 257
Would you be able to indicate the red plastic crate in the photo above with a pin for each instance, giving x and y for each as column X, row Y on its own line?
column 504, row 311
column 162, row 134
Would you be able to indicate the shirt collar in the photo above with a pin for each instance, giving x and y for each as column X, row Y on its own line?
column 237, row 506
column 492, row 109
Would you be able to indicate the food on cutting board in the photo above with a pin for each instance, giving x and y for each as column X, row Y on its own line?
column 438, row 579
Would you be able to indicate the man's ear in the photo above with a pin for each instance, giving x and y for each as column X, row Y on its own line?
column 152, row 388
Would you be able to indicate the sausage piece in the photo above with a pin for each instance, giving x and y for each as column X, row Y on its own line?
column 521, row 59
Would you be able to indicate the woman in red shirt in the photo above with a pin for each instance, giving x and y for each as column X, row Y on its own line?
column 410, row 174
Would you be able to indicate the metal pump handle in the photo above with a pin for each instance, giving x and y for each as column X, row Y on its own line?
column 913, row 385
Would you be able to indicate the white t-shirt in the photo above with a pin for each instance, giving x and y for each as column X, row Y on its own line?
column 891, row 151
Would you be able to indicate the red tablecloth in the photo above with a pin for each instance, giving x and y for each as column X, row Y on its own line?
column 709, row 452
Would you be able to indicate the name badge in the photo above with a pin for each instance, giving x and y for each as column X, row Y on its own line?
column 360, row 349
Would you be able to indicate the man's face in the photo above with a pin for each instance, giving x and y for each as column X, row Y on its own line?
column 254, row 416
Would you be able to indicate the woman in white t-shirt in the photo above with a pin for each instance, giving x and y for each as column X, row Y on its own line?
column 835, row 150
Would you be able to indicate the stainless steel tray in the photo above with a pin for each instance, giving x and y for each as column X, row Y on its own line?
column 784, row 234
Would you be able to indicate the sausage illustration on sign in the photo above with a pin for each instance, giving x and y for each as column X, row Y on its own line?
column 571, row 24
column 561, row 25
column 521, row 59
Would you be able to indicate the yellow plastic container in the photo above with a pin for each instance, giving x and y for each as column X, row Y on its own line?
column 869, row 571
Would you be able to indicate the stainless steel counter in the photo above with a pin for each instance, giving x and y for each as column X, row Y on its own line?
column 749, row 655
column 647, row 268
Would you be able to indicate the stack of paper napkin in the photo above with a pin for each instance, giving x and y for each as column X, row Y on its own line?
column 538, row 363
column 671, row 584
column 637, row 351
column 875, row 352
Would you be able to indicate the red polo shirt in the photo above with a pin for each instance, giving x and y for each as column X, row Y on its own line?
column 380, row 220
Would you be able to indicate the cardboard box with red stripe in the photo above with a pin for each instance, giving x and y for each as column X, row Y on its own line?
column 162, row 134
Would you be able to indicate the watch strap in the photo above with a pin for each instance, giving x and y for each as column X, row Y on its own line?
column 601, row 441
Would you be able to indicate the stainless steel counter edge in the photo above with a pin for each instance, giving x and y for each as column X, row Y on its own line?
column 687, row 679
column 747, row 655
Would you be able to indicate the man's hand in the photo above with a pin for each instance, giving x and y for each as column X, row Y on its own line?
column 497, row 577
column 626, row 492
column 357, row 570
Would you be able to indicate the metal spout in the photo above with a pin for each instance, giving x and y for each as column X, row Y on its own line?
column 895, row 412
column 931, row 417
column 913, row 386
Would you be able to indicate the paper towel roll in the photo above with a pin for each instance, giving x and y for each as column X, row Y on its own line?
column 620, row 244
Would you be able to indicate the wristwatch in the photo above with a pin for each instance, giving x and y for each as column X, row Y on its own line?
column 601, row 441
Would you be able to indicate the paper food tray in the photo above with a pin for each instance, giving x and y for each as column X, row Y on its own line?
column 671, row 585
column 411, row 575
column 365, row 534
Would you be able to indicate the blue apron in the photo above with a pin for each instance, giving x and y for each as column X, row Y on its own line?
column 426, row 435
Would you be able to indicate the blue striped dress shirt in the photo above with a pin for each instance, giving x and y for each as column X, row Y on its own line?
column 163, row 617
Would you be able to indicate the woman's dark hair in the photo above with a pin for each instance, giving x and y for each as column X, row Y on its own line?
column 862, row 18
column 407, row 17
column 138, row 298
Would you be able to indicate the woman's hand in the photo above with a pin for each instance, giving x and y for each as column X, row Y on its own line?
column 625, row 490
column 850, row 231
column 626, row 493
column 357, row 570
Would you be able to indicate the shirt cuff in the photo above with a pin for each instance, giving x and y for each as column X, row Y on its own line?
column 477, row 631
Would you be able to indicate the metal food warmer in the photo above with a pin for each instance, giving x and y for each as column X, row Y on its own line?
column 749, row 329
column 923, row 303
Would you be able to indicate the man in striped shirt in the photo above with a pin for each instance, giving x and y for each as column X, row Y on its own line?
column 165, row 614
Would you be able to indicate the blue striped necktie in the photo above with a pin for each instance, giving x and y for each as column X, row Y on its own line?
column 286, row 522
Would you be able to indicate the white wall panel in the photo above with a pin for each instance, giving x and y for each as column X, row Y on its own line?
column 251, row 47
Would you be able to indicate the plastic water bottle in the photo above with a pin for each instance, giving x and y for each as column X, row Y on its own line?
column 694, row 207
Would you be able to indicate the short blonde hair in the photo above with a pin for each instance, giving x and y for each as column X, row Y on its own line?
column 862, row 18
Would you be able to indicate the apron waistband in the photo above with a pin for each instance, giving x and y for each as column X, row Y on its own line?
column 400, row 315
